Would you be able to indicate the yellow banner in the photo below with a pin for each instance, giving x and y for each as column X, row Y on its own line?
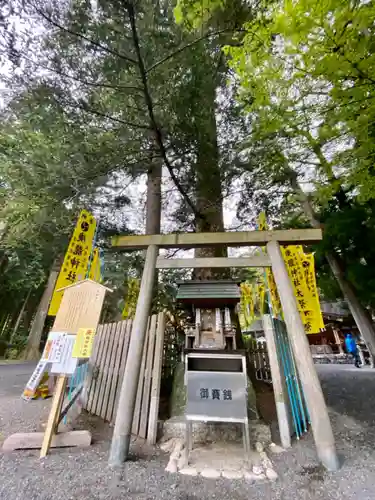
column 247, row 304
column 301, row 271
column 308, row 265
column 308, row 305
column 271, row 285
column 83, row 343
column 76, row 259
column 274, row 294
column 95, row 269
column 252, row 303
column 262, row 222
column 131, row 299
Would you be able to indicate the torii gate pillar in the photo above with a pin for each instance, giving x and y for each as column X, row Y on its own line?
column 124, row 418
column 320, row 423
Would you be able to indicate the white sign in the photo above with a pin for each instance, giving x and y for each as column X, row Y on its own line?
column 66, row 364
column 53, row 348
column 57, row 348
column 35, row 378
column 216, row 395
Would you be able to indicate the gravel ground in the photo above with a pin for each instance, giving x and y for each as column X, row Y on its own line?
column 83, row 474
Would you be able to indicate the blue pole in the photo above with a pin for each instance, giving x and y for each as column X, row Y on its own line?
column 284, row 364
column 289, row 379
column 299, row 390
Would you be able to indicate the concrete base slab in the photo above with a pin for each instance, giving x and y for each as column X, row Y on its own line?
column 232, row 474
column 33, row 440
column 212, row 460
column 251, row 477
column 203, row 432
column 210, row 473
column 189, row 471
column 222, row 456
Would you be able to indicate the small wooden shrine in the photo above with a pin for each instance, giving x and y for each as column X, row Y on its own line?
column 211, row 306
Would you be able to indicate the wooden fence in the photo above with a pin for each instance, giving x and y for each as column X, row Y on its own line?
column 106, row 371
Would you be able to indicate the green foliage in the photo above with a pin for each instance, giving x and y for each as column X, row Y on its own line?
column 196, row 12
column 306, row 73
column 93, row 108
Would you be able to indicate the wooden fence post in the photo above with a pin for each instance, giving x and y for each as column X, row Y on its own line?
column 156, row 379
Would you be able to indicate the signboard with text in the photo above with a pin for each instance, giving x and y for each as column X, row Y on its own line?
column 84, row 343
column 76, row 259
column 216, row 395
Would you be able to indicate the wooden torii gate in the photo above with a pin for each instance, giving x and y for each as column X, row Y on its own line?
column 315, row 402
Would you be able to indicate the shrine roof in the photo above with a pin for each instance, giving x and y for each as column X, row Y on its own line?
column 197, row 290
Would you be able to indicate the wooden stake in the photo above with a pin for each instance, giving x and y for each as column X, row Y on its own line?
column 138, row 399
column 54, row 414
column 147, row 375
column 156, row 380
column 320, row 423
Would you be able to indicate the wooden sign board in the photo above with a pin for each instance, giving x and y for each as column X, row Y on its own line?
column 80, row 307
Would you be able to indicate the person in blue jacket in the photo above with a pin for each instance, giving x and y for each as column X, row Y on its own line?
column 351, row 348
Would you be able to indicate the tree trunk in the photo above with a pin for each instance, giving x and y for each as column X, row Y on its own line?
column 31, row 307
column 20, row 316
column 5, row 324
column 2, row 322
column 3, row 258
column 153, row 203
column 153, row 206
column 359, row 313
column 35, row 336
column 209, row 199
